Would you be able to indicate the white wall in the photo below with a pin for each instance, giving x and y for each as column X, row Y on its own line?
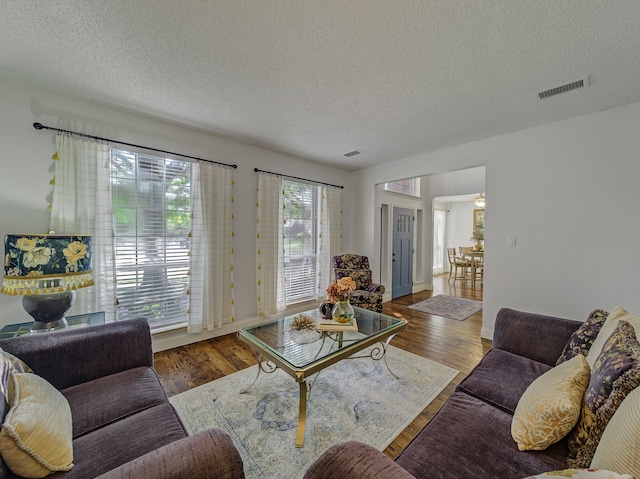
column 27, row 168
column 569, row 193
column 459, row 227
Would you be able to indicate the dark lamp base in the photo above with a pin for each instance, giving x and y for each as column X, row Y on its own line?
column 48, row 310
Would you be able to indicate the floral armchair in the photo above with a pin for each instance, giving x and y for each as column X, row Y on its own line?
column 367, row 294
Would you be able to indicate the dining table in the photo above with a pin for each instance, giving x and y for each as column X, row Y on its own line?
column 475, row 257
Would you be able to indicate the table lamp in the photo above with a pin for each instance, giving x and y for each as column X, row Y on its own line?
column 46, row 270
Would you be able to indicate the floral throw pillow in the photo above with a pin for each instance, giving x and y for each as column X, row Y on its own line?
column 581, row 340
column 615, row 374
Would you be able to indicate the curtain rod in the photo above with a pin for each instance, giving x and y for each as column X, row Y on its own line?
column 40, row 126
column 297, row 178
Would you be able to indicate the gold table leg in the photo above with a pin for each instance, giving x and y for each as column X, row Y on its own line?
column 302, row 414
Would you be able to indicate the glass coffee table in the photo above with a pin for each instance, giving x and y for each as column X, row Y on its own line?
column 303, row 354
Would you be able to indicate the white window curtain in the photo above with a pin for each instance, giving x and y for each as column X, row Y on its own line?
column 270, row 273
column 211, row 297
column 82, row 205
column 439, row 224
column 329, row 236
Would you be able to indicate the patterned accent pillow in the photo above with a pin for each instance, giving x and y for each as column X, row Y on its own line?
column 617, row 314
column 550, row 407
column 581, row 340
column 615, row 374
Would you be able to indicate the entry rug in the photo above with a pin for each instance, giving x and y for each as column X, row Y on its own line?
column 355, row 399
column 448, row 307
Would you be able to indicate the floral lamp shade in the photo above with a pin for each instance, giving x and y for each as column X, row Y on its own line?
column 46, row 264
column 46, row 270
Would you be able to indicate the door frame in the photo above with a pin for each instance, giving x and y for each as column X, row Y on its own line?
column 383, row 244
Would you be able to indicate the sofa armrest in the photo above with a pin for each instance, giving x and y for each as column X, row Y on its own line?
column 209, row 454
column 355, row 460
column 534, row 336
column 68, row 358
column 376, row 288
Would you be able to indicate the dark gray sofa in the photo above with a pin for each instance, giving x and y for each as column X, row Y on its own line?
column 471, row 435
column 123, row 424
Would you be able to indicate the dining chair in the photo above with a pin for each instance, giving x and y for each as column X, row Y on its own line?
column 478, row 270
column 465, row 251
column 458, row 263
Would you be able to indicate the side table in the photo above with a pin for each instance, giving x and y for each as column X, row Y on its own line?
column 78, row 321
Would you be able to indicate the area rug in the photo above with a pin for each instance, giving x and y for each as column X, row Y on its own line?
column 355, row 399
column 448, row 307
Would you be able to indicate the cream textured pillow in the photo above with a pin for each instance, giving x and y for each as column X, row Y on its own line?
column 550, row 406
column 9, row 362
column 620, row 442
column 608, row 328
column 581, row 474
column 36, row 437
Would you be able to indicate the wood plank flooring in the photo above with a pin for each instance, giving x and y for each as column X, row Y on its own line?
column 456, row 344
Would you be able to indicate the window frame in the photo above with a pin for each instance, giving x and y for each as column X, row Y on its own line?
column 406, row 187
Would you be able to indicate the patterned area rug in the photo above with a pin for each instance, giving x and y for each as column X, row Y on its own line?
column 448, row 307
column 355, row 399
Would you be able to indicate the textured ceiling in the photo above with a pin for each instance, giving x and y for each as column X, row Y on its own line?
column 319, row 78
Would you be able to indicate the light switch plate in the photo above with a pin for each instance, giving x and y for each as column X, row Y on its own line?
column 511, row 241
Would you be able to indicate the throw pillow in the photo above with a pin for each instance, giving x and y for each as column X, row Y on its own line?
column 608, row 327
column 620, row 443
column 550, row 407
column 8, row 362
column 36, row 437
column 581, row 340
column 615, row 374
column 582, row 474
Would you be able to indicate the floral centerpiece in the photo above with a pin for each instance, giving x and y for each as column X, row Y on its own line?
column 338, row 292
column 478, row 237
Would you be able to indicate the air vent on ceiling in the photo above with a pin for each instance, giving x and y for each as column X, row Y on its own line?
column 583, row 82
column 352, row 153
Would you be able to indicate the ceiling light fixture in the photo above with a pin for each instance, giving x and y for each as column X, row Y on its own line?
column 480, row 201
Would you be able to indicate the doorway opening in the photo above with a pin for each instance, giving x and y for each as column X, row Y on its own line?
column 430, row 234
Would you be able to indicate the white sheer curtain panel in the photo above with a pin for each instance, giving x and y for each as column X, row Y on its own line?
column 211, row 298
column 270, row 273
column 82, row 205
column 330, row 235
column 439, row 224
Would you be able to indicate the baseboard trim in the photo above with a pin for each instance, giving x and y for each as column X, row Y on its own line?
column 486, row 333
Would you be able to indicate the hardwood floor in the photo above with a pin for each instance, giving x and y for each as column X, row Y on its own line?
column 456, row 344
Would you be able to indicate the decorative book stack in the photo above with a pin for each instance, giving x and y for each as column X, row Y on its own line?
column 333, row 325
